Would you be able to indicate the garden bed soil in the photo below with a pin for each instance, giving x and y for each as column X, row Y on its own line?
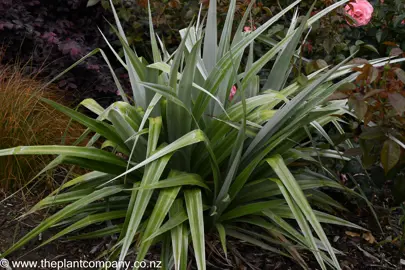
column 374, row 250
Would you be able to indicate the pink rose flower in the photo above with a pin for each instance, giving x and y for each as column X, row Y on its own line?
column 361, row 11
column 232, row 93
column 403, row 22
column 248, row 29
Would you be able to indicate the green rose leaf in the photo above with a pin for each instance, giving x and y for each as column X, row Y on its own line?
column 398, row 102
column 359, row 106
column 390, row 155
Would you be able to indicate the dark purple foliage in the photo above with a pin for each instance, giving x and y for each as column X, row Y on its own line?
column 52, row 35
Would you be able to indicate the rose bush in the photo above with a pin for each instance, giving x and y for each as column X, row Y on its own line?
column 373, row 27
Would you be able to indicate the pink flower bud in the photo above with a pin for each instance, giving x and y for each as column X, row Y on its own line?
column 232, row 93
column 248, row 29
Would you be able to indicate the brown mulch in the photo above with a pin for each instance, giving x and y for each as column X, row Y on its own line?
column 11, row 230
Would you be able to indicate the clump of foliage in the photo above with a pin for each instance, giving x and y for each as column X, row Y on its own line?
column 185, row 160
column 333, row 38
column 170, row 16
column 26, row 121
column 386, row 28
column 326, row 39
column 52, row 35
column 378, row 99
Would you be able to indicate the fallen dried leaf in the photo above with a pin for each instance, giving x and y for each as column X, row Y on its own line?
column 368, row 236
column 352, row 234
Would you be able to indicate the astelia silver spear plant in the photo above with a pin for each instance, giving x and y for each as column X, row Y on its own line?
column 179, row 159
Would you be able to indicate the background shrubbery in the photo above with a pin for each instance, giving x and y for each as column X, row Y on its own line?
column 55, row 34
column 52, row 35
column 333, row 39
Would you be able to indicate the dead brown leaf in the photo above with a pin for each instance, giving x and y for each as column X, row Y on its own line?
column 352, row 234
column 369, row 237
